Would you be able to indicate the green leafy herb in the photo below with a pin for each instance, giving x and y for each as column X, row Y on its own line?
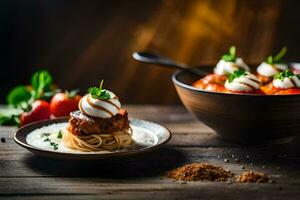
column 72, row 93
column 45, row 134
column 236, row 74
column 40, row 81
column 18, row 95
column 12, row 120
column 99, row 92
column 59, row 134
column 231, row 55
column 285, row 74
column 277, row 58
column 53, row 144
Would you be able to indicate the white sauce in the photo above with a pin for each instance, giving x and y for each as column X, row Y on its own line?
column 100, row 108
column 269, row 70
column 244, row 83
column 142, row 138
column 287, row 82
column 224, row 68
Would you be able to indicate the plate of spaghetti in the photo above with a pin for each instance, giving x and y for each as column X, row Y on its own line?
column 100, row 129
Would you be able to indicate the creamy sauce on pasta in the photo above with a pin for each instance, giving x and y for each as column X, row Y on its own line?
column 38, row 138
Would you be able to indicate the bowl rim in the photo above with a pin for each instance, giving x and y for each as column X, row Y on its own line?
column 190, row 87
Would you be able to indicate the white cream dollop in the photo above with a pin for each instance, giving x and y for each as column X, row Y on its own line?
column 269, row 70
column 224, row 67
column 287, row 82
column 245, row 83
column 100, row 108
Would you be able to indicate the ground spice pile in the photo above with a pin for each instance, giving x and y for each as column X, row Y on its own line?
column 199, row 171
column 253, row 177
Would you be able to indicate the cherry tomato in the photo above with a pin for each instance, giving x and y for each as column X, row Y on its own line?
column 62, row 104
column 40, row 110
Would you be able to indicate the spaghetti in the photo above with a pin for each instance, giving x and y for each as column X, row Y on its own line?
column 98, row 142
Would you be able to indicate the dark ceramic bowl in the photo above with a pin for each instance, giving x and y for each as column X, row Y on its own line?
column 241, row 118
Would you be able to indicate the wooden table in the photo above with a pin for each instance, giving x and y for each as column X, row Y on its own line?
column 26, row 176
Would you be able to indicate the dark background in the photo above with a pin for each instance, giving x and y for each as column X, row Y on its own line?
column 81, row 42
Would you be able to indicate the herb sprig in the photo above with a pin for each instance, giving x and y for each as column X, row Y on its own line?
column 59, row 134
column 231, row 55
column 236, row 74
column 284, row 74
column 277, row 58
column 99, row 92
column 47, row 139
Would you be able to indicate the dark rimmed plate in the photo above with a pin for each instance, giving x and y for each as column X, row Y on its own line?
column 161, row 134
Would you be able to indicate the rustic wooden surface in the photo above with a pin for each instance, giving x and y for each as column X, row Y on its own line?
column 26, row 176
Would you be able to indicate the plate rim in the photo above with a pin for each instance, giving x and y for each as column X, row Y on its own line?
column 82, row 155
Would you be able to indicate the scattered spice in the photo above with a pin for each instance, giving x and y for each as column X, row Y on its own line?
column 252, row 177
column 199, row 171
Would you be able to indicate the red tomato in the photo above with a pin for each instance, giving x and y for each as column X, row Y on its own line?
column 40, row 110
column 62, row 104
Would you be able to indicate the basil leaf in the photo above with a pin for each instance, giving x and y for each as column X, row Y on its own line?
column 59, row 134
column 236, row 74
column 12, row 120
column 230, row 56
column 285, row 74
column 18, row 95
column 99, row 92
column 40, row 81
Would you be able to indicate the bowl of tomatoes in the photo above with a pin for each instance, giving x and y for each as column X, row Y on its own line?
column 244, row 104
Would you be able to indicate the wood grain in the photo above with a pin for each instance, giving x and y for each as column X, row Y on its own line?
column 25, row 176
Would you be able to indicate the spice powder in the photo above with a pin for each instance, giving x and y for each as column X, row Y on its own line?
column 199, row 171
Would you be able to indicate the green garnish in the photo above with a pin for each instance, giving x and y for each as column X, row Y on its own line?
column 9, row 120
column 59, row 134
column 72, row 93
column 40, row 81
column 285, row 74
column 53, row 144
column 236, row 74
column 277, row 58
column 18, row 95
column 99, row 92
column 45, row 134
column 231, row 55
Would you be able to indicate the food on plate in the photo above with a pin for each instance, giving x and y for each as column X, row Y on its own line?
column 39, row 110
column 243, row 82
column 63, row 103
column 230, row 63
column 284, row 83
column 30, row 103
column 99, row 124
column 271, row 66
